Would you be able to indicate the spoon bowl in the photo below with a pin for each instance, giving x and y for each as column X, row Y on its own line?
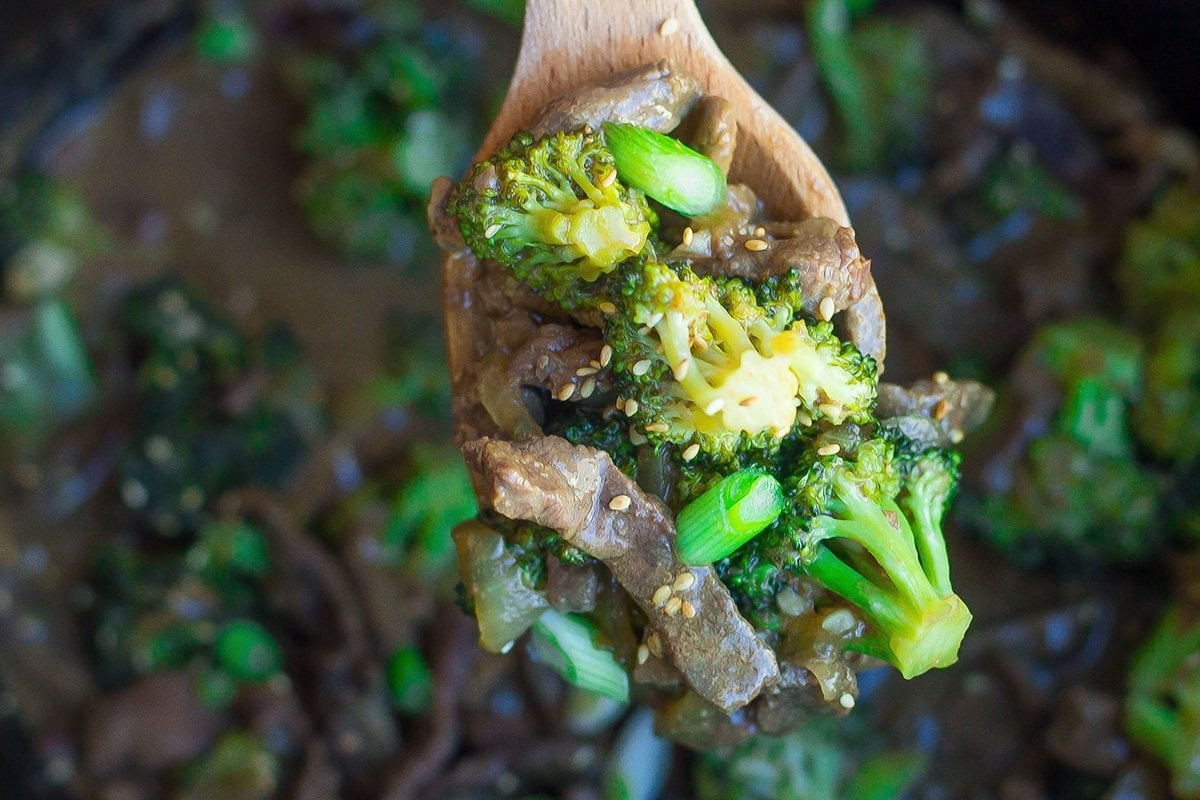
column 568, row 44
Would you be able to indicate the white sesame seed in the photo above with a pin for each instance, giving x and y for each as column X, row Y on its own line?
column 492, row 230
column 620, row 502
column 669, row 27
column 608, row 179
column 840, row 622
column 940, row 377
column 658, row 427
column 687, row 236
column 608, row 308
column 825, row 309
column 661, row 595
column 803, row 419
column 846, row 700
column 589, row 386
column 543, row 362
column 760, row 231
column 565, row 391
column 689, row 610
column 715, row 406
column 673, row 606
column 636, row 438
column 830, row 409
column 956, row 436
column 631, row 407
column 655, row 644
column 641, row 367
column 691, row 451
column 643, row 654
column 684, row 581
column 605, row 355
column 619, row 403
column 755, row 245
column 681, row 369
column 583, row 372
column 829, row 449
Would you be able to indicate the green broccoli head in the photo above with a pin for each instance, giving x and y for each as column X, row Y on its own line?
column 705, row 364
column 1162, row 711
column 553, row 212
column 1167, row 420
column 867, row 526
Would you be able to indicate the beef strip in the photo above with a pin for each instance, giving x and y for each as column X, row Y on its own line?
column 937, row 411
column 572, row 490
column 866, row 326
column 711, row 129
column 655, row 96
column 824, row 252
column 571, row 587
column 554, row 356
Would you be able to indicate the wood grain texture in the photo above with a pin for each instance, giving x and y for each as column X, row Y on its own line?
column 572, row 43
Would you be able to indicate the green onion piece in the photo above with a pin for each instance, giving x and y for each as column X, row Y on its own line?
column 567, row 644
column 732, row 512
column 665, row 169
column 409, row 680
column 248, row 652
column 886, row 776
column 639, row 761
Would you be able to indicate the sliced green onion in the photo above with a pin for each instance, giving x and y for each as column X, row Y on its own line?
column 665, row 169
column 567, row 644
column 732, row 512
column 639, row 761
column 409, row 680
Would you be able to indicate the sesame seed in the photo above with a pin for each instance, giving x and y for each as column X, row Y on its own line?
column 691, row 451
column 661, row 595
column 714, row 407
column 956, row 436
column 760, row 231
column 685, row 581
column 689, row 610
column 543, row 362
column 940, row 377
column 803, row 419
column 589, row 386
column 658, row 427
column 596, row 365
column 829, row 449
column 631, row 407
column 748, row 402
column 605, row 355
column 643, row 654
column 583, row 372
column 755, row 245
column 830, row 409
column 846, row 700
column 941, row 409
column 687, row 236
column 608, row 308
column 655, row 644
column 565, row 391
column 620, row 502
column 619, row 403
column 492, row 230
column 641, row 367
column 669, row 27
column 637, row 438
column 673, row 606
column 681, row 369
column 825, row 309
column 608, row 179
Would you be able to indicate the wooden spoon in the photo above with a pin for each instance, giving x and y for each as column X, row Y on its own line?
column 569, row 44
column 572, row 43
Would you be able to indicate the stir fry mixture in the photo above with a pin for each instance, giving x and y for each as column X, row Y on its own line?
column 651, row 519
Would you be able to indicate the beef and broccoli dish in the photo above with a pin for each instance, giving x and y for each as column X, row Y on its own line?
column 342, row 459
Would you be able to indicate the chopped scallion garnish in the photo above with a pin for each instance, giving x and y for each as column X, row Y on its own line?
column 732, row 512
column 665, row 169
column 567, row 644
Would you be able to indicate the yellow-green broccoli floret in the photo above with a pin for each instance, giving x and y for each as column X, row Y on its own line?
column 553, row 211
column 703, row 362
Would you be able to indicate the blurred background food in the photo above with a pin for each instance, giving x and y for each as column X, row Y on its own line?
column 226, row 486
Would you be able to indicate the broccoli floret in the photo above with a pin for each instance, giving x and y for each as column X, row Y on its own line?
column 1162, row 711
column 553, row 212
column 704, row 363
column 1160, row 264
column 868, row 527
